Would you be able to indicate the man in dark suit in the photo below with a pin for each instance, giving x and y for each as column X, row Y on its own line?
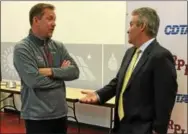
column 145, row 85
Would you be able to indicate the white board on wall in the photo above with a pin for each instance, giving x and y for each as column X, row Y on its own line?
column 92, row 22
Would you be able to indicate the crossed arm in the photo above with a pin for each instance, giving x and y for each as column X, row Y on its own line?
column 48, row 71
column 35, row 77
column 67, row 71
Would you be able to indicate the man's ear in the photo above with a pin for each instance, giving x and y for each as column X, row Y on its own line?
column 35, row 19
column 143, row 27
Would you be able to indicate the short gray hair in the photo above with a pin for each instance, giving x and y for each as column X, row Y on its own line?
column 149, row 17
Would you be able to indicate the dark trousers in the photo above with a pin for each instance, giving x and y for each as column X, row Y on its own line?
column 54, row 126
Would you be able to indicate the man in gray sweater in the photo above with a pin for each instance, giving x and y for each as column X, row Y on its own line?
column 43, row 65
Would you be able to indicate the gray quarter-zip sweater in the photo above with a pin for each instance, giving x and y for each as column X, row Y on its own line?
column 43, row 97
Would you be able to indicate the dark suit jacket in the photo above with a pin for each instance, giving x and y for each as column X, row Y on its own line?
column 150, row 94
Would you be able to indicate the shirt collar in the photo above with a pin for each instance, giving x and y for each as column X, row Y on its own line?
column 146, row 44
column 37, row 40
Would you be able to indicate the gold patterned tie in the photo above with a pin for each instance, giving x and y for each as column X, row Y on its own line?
column 126, row 79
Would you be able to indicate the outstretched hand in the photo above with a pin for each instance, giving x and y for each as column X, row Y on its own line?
column 90, row 97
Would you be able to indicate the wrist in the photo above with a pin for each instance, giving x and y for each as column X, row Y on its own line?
column 50, row 73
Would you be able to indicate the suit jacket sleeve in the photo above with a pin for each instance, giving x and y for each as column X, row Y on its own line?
column 109, row 91
column 165, row 89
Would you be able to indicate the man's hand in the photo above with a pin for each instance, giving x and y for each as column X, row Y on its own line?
column 48, row 71
column 154, row 132
column 45, row 71
column 91, row 97
column 65, row 63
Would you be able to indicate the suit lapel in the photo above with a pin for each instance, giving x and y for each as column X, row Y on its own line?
column 142, row 60
column 127, row 60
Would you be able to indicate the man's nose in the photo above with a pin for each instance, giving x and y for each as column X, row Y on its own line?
column 53, row 24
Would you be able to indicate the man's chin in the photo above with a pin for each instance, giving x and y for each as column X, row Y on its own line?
column 129, row 41
column 50, row 35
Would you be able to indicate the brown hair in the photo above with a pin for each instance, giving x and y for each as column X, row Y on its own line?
column 37, row 10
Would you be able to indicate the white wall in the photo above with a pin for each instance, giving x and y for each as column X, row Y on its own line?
column 77, row 22
column 92, row 22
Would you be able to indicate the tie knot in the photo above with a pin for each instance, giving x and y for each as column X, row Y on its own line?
column 138, row 51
